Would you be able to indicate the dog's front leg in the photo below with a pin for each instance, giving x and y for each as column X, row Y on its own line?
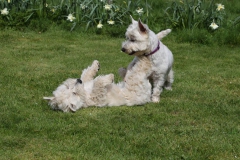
column 89, row 73
column 158, row 83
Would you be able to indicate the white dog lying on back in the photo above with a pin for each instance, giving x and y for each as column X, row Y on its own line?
column 101, row 91
column 141, row 41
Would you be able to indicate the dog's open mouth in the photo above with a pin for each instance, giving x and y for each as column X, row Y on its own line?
column 132, row 53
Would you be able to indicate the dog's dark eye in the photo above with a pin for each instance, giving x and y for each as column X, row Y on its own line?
column 132, row 40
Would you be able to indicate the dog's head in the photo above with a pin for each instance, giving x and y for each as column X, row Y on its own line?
column 69, row 96
column 138, row 39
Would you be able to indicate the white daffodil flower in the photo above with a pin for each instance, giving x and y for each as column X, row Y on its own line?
column 213, row 25
column 99, row 25
column 107, row 7
column 83, row 6
column 70, row 17
column 4, row 11
column 53, row 10
column 220, row 7
column 110, row 22
column 139, row 10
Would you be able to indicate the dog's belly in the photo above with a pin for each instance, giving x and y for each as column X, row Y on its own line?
column 88, row 87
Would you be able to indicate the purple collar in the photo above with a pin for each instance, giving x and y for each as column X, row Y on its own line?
column 154, row 51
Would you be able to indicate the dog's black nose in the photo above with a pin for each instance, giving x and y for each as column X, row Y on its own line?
column 79, row 81
column 123, row 49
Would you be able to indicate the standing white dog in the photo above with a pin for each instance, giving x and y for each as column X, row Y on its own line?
column 142, row 42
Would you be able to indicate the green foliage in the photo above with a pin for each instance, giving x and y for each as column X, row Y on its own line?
column 189, row 18
column 88, row 13
column 203, row 21
column 40, row 25
column 235, row 22
column 185, row 14
column 201, row 36
column 229, row 36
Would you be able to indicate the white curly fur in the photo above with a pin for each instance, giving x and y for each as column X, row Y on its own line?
column 140, row 42
column 101, row 91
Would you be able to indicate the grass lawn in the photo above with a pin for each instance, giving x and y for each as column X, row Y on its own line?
column 199, row 119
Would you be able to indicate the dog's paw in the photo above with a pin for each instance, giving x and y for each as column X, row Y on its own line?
column 96, row 65
column 155, row 100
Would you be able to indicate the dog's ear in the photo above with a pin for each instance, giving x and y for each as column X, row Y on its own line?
column 73, row 108
column 142, row 27
column 132, row 19
column 48, row 98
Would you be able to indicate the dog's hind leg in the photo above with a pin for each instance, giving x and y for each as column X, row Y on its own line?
column 169, row 81
column 89, row 73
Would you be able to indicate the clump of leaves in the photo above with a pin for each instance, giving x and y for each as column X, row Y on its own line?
column 88, row 13
column 186, row 14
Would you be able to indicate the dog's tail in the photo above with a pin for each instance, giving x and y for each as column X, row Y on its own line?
column 163, row 34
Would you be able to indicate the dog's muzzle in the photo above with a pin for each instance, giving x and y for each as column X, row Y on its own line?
column 124, row 50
